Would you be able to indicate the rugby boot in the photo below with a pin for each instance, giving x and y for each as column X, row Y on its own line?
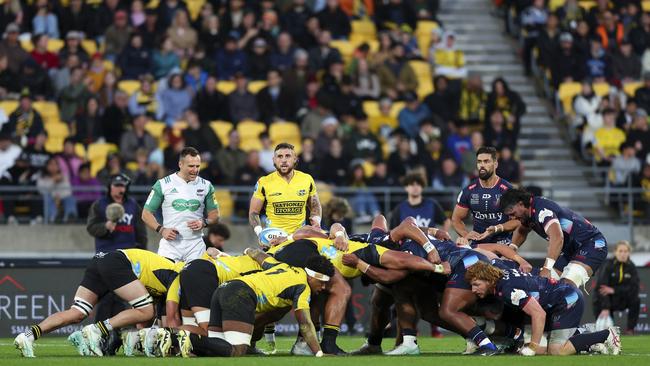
column 24, row 345
column 367, row 349
column 79, row 342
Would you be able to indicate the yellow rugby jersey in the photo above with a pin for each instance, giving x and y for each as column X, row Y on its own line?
column 155, row 272
column 279, row 287
column 286, row 202
column 326, row 248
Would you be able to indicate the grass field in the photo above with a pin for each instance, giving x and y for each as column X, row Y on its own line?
column 438, row 352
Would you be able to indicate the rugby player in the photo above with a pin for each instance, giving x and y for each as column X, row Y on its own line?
column 235, row 303
column 184, row 196
column 576, row 248
column 481, row 199
column 552, row 306
column 134, row 275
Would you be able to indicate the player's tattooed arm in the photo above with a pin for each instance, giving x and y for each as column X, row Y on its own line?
column 254, row 214
column 257, row 254
column 307, row 329
column 316, row 210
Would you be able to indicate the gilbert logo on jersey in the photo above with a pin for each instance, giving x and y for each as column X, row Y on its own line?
column 288, row 207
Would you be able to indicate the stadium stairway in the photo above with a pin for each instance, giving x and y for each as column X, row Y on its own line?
column 543, row 149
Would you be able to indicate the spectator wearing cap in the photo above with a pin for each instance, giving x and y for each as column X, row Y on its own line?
column 45, row 21
column 134, row 60
column 274, row 101
column 231, row 158
column 610, row 31
column 639, row 35
column 322, row 55
column 335, row 20
column 241, row 102
column 410, row 116
column 72, row 46
column 642, row 95
column 230, row 59
column 362, row 143
column 117, row 35
column 639, row 134
column 137, row 138
column 608, row 139
column 259, row 59
column 329, row 130
column 115, row 118
column 396, row 76
column 200, row 136
column 184, row 38
column 25, row 123
column 626, row 64
column 567, row 63
column 395, row 13
column 48, row 60
column 10, row 46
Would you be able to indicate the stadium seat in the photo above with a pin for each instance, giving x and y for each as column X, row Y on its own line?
column 365, row 28
column 48, row 110
column 396, row 108
column 97, row 154
column 371, row 108
column 194, row 8
column 80, row 150
column 601, row 89
column 9, row 106
column 129, row 86
column 54, row 145
column 155, row 128
column 587, row 5
column 423, row 35
column 178, row 127
column 109, row 65
column 256, row 85
column 226, row 202
column 56, row 130
column 630, row 88
column 553, row 5
column 89, row 46
column 285, row 132
column 565, row 94
column 222, row 129
column 645, row 4
column 249, row 133
column 377, row 122
column 55, row 45
column 346, row 48
column 226, row 87
column 423, row 72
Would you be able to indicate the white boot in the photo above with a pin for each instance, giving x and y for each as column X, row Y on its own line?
column 24, row 345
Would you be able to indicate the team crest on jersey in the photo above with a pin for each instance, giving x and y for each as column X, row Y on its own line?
column 302, row 192
column 174, row 190
column 470, row 260
column 137, row 269
column 474, row 198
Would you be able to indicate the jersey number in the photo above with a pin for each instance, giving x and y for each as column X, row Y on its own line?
column 277, row 271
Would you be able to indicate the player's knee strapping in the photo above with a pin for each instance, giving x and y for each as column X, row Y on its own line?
column 141, row 302
column 189, row 320
column 576, row 273
column 83, row 306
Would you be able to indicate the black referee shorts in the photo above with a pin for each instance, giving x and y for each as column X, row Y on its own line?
column 108, row 272
column 198, row 283
column 297, row 253
column 233, row 301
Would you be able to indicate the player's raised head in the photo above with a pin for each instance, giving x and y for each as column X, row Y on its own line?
column 486, row 162
column 319, row 272
column 189, row 163
column 285, row 158
column 515, row 203
column 483, row 277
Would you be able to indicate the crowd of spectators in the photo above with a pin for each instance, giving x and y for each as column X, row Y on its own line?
column 308, row 61
column 595, row 56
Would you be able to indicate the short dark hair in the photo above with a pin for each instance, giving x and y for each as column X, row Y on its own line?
column 284, row 145
column 219, row 229
column 415, row 177
column 514, row 196
column 487, row 150
column 320, row 264
column 188, row 151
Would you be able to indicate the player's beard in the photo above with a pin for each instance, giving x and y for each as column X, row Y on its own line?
column 485, row 175
column 279, row 170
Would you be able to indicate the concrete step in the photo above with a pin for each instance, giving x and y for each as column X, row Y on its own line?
column 528, row 142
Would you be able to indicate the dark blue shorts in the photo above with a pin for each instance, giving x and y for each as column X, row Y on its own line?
column 592, row 253
column 457, row 276
column 568, row 313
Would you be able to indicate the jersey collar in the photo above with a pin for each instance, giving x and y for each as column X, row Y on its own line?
column 178, row 177
column 494, row 185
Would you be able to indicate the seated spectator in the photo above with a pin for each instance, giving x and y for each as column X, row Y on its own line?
column 385, row 122
column 442, row 102
column 644, row 183
column 608, row 139
column 639, row 135
column 35, row 79
column 174, row 100
column 8, row 79
column 617, row 288
column 25, row 123
column 46, row 59
column 407, row 38
column 209, row 103
column 282, row 56
column 134, row 60
column 329, row 131
column 639, row 35
column 231, row 158
column 10, row 46
column 148, row 170
column 364, row 203
column 450, row 176
column 230, row 60
column 137, row 14
column 468, row 157
column 218, row 233
column 626, row 64
column 362, row 143
column 267, row 152
column 322, row 55
column 137, row 138
column 310, row 125
column 241, row 102
column 68, row 160
column 599, row 64
column 508, row 168
column 365, row 81
column 295, row 77
column 259, row 59
column 45, row 21
column 248, row 174
column 195, row 76
column 471, row 107
column 165, row 59
column 60, row 77
column 447, row 60
column 86, row 189
column 210, row 35
column 200, row 136
column 96, row 73
column 144, row 100
column 413, row 113
column 87, row 125
column 274, row 101
column 72, row 46
column 548, row 41
column 108, row 91
column 76, row 17
column 570, row 13
column 307, row 161
column 610, row 32
column 116, row 36
column 496, row 135
column 626, row 115
column 508, row 102
column 567, row 63
column 587, row 107
column 625, row 167
column 402, row 159
column 396, row 76
column 116, row 118
column 57, row 193
column 459, row 141
column 380, row 177
column 642, row 95
column 335, row 20
column 73, row 97
column 36, row 157
column 396, row 12
column 334, row 166
column 114, row 166
column 183, row 37
column 9, row 153
column 429, row 131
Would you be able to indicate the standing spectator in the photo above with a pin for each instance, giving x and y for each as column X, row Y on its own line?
column 248, row 174
column 68, row 160
column 308, row 163
column 508, row 168
column 363, row 144
column 11, row 47
column 25, row 123
column 174, row 100
column 335, row 20
column 45, row 21
column 211, row 104
column 427, row 212
column 115, row 118
column 617, row 287
column 200, row 136
column 533, row 20
column 86, row 189
column 241, row 102
column 608, row 139
column 116, row 36
column 626, row 64
column 165, row 60
column 442, row 102
column 231, row 158
column 46, row 59
column 87, row 125
column 57, row 193
column 567, row 63
column 508, row 102
column 137, row 138
column 334, row 166
column 73, row 97
column 183, row 37
column 230, row 60
column 396, row 76
column 413, row 113
column 274, row 101
column 135, row 59
column 75, row 17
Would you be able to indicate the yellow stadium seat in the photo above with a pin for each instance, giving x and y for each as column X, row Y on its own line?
column 365, row 28
column 9, row 106
column 377, row 122
column 129, row 86
column 587, row 4
column 554, row 4
column 226, row 202
column 256, row 85
column 425, row 27
column 425, row 87
column 371, row 108
column 57, row 130
column 645, row 4
column 601, row 89
column 421, row 68
column 178, row 127
column 54, row 145
column 368, row 168
column 249, row 132
column 222, row 129
column 285, row 132
column 80, row 150
column 97, row 154
column 566, row 92
column 226, row 87
column 155, row 128
column 346, row 48
column 194, row 8
column 324, row 192
column 396, row 108
column 109, row 65
column 27, row 45
column 630, row 88
column 90, row 46
column 48, row 110
column 55, row 45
